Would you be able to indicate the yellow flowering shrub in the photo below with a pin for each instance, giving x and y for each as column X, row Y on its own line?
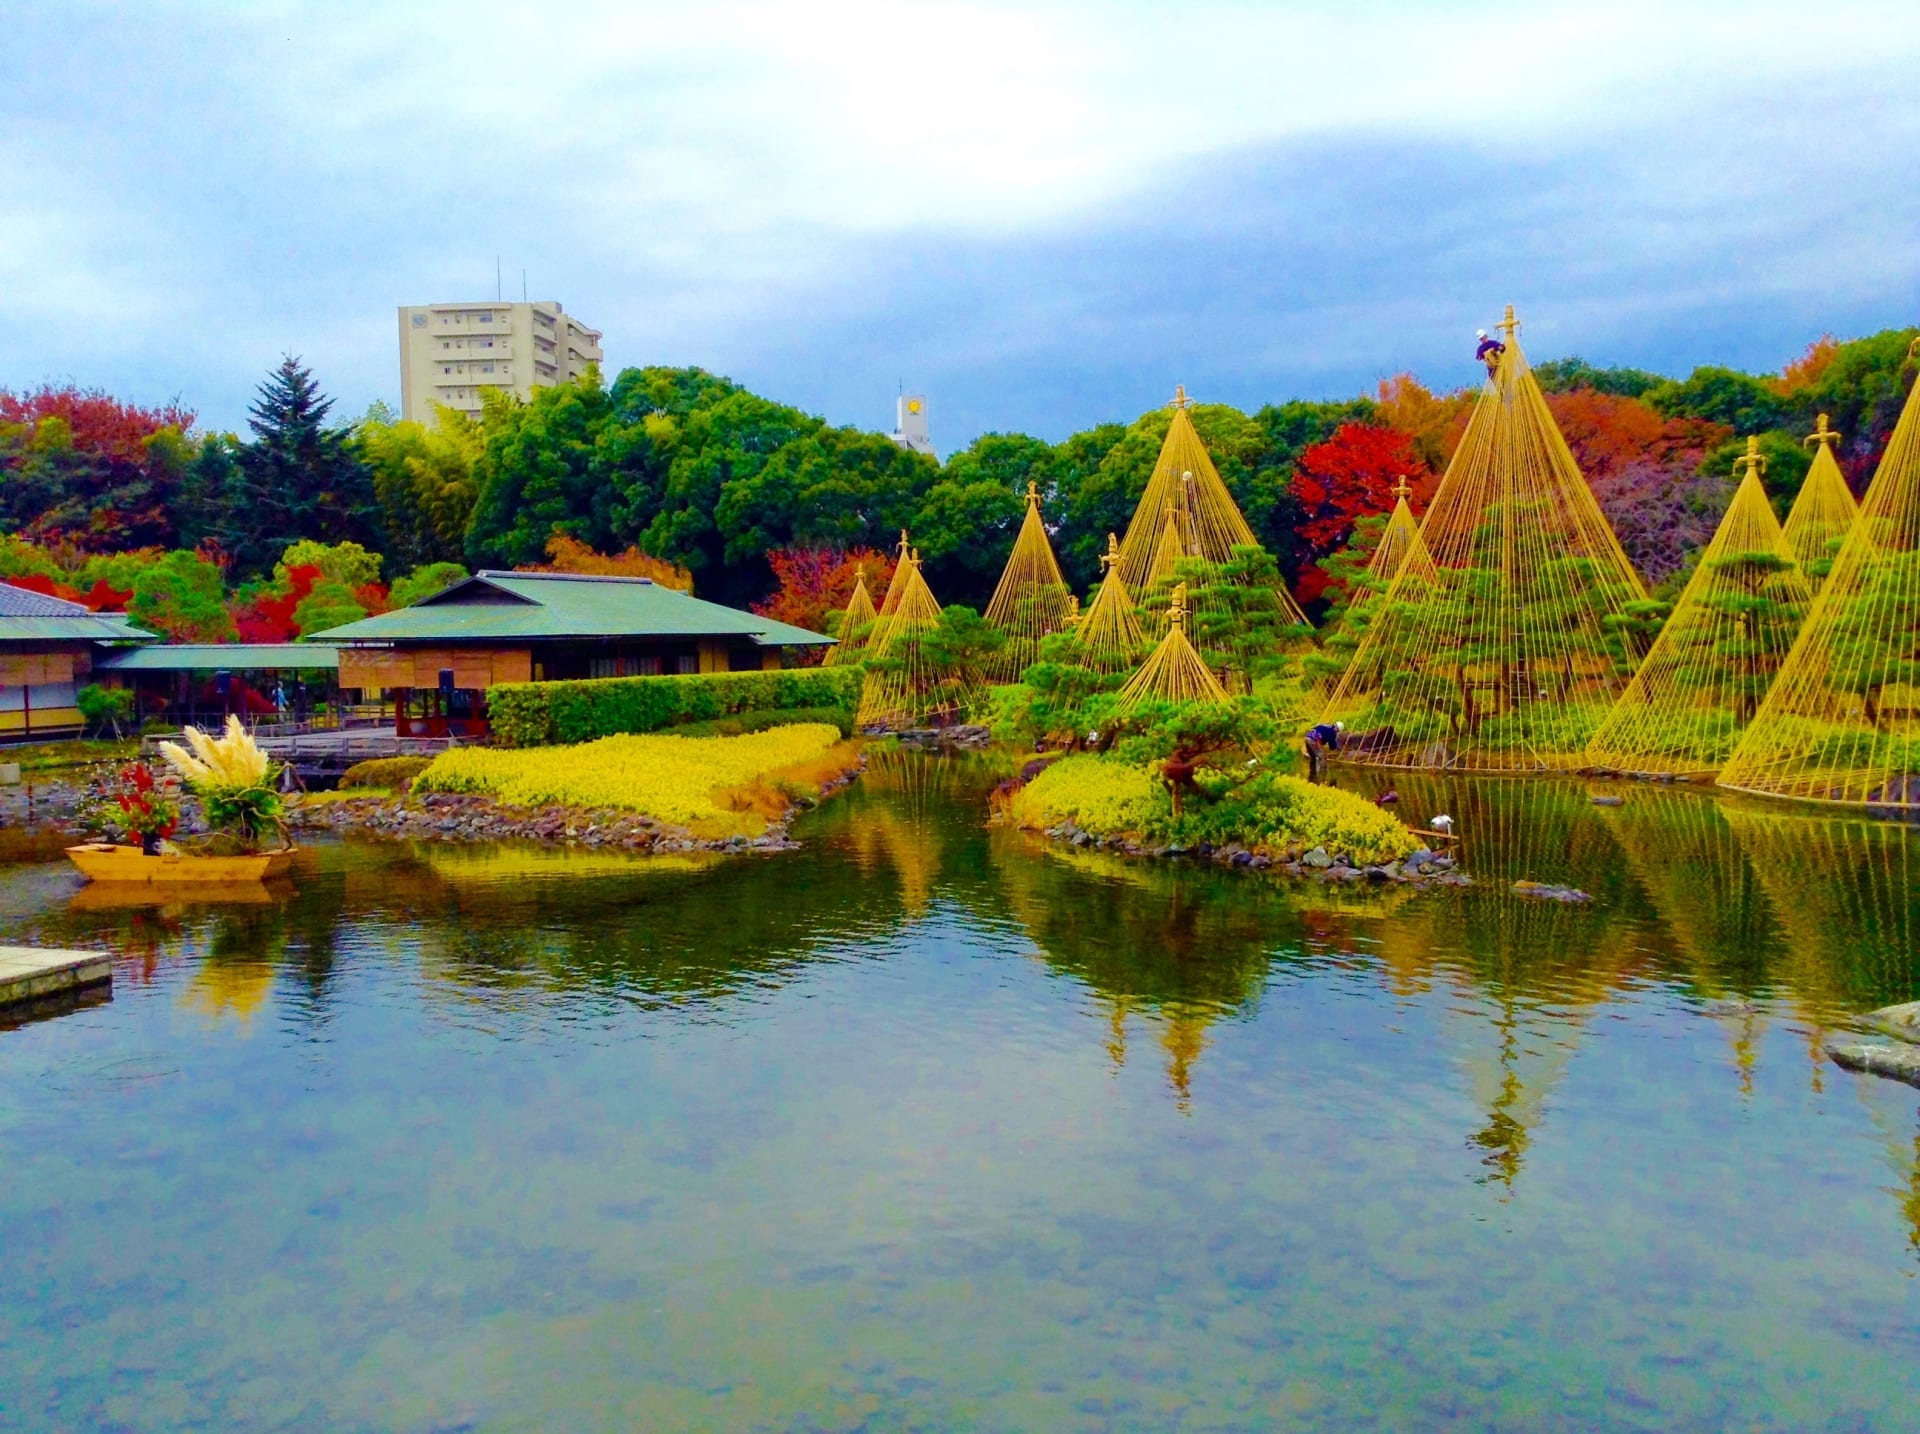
column 689, row 781
column 1105, row 796
column 1265, row 811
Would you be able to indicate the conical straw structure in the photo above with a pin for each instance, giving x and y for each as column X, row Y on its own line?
column 1109, row 635
column 1399, row 546
column 1032, row 599
column 1842, row 721
column 1503, row 657
column 1185, row 498
column 1823, row 511
column 856, row 625
column 1399, row 543
column 1719, row 650
column 904, row 683
column 1174, row 672
column 890, row 600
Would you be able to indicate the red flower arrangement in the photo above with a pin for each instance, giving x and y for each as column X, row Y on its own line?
column 147, row 812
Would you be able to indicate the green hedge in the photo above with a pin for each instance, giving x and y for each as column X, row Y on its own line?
column 540, row 714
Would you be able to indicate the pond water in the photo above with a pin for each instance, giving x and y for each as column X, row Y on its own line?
column 931, row 1125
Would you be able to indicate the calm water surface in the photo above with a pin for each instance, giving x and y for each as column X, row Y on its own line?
column 933, row 1126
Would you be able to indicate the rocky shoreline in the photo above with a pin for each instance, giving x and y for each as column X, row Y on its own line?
column 442, row 816
column 55, row 807
column 1421, row 868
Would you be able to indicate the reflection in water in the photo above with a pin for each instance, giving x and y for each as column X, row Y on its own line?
column 838, row 1090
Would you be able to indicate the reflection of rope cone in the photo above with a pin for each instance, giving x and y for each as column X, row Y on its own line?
column 1846, row 892
column 1696, row 874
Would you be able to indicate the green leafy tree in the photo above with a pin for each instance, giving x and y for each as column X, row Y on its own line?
column 536, row 476
column 348, row 564
column 424, row 582
column 423, row 479
column 1567, row 374
column 329, row 604
column 714, row 448
column 833, row 488
column 183, row 597
column 1744, row 403
column 1086, row 503
column 964, row 532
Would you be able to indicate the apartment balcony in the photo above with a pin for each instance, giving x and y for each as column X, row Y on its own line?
column 446, row 329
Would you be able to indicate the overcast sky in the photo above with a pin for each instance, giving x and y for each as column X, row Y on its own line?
column 1042, row 215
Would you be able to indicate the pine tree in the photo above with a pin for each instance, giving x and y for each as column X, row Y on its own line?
column 297, row 478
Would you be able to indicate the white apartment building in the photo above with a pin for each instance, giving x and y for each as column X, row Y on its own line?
column 450, row 353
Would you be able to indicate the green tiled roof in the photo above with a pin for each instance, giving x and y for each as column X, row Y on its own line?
column 538, row 607
column 230, row 656
column 27, row 616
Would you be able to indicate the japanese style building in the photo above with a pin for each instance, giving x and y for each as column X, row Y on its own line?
column 439, row 657
column 47, row 651
column 202, row 682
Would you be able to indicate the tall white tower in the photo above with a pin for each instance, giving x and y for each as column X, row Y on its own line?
column 910, row 424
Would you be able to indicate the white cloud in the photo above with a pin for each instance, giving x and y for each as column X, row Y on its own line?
column 866, row 116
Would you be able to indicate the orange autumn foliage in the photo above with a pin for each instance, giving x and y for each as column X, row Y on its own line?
column 1433, row 422
column 1806, row 370
column 567, row 554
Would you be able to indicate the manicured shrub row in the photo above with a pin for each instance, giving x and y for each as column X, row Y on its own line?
column 543, row 714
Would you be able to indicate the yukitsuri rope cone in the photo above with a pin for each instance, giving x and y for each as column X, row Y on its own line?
column 1186, row 512
column 890, row 600
column 1173, row 672
column 856, row 625
column 1502, row 657
column 1718, row 652
column 1109, row 635
column 1824, row 511
column 1032, row 599
column 1399, row 546
column 904, row 684
column 1842, row 721
column 1399, row 542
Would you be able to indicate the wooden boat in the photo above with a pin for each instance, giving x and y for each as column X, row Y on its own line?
column 103, row 861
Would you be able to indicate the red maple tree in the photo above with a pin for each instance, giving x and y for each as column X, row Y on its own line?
column 100, row 423
column 817, row 581
column 268, row 616
column 1342, row 480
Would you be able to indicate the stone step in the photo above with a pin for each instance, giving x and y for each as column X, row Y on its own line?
column 30, row 974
